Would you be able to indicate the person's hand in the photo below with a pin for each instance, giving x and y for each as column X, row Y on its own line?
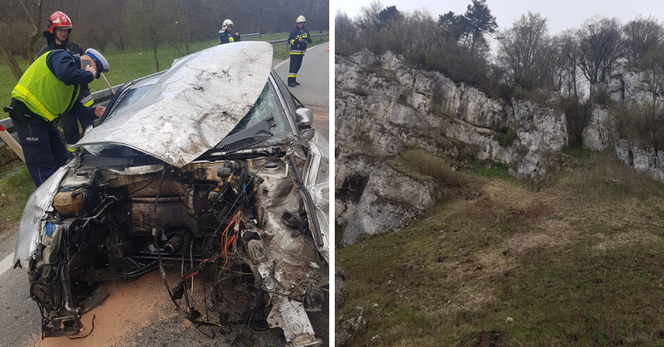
column 99, row 111
column 237, row 33
column 301, row 39
column 91, row 69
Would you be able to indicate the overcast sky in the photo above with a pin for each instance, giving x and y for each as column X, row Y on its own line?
column 561, row 14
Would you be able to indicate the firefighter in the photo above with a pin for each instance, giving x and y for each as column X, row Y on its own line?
column 298, row 40
column 225, row 35
column 48, row 89
column 57, row 37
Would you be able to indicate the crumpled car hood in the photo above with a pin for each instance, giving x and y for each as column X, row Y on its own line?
column 193, row 106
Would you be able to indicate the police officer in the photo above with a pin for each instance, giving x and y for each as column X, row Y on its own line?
column 57, row 37
column 48, row 89
column 298, row 40
column 225, row 35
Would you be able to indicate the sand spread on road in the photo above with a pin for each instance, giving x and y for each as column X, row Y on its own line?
column 130, row 307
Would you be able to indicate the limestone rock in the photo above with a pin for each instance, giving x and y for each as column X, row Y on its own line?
column 642, row 159
column 383, row 108
column 348, row 327
column 598, row 135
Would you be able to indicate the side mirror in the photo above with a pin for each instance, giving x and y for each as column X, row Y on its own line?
column 304, row 117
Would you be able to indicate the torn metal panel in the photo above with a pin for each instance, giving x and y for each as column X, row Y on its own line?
column 290, row 316
column 317, row 183
column 192, row 106
column 32, row 222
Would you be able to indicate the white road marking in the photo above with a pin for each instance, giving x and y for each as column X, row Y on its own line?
column 308, row 49
column 6, row 264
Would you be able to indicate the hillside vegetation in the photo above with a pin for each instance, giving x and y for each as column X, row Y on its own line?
column 575, row 264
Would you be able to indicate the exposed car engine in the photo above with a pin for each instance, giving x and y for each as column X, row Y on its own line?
column 241, row 222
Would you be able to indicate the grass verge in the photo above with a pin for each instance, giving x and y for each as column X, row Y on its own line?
column 578, row 264
column 15, row 189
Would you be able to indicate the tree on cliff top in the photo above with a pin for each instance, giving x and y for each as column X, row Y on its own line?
column 522, row 50
column 469, row 29
column 601, row 45
column 642, row 36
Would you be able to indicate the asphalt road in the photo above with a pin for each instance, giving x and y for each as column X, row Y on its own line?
column 140, row 313
column 314, row 88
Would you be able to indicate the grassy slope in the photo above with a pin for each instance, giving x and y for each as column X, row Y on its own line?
column 137, row 62
column 578, row 264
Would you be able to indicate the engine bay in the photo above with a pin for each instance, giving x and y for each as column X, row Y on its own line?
column 241, row 223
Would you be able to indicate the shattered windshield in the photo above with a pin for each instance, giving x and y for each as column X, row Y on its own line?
column 266, row 106
column 131, row 97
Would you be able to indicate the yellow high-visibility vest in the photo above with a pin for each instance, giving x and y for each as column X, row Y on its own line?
column 43, row 93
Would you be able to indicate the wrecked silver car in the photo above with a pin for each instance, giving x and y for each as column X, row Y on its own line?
column 210, row 171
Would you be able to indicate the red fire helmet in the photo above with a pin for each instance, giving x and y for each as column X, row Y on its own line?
column 58, row 20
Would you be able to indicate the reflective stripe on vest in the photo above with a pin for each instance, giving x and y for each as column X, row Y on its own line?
column 43, row 93
column 87, row 101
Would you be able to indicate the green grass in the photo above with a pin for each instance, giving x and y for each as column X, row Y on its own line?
column 15, row 187
column 496, row 170
column 582, row 155
column 578, row 264
column 338, row 233
column 137, row 62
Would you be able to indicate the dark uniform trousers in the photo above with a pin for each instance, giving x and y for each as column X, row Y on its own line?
column 43, row 148
column 295, row 64
column 70, row 127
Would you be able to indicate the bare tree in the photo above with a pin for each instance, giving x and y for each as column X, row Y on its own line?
column 15, row 29
column 600, row 46
column 569, row 50
column 11, row 61
column 346, row 34
column 34, row 17
column 522, row 47
column 149, row 20
column 369, row 15
column 423, row 31
column 641, row 36
column 98, row 22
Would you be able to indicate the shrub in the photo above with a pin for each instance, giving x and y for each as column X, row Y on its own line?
column 432, row 166
column 578, row 116
column 507, row 138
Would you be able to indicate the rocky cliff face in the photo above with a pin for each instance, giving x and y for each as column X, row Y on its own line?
column 383, row 108
column 627, row 87
column 642, row 159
